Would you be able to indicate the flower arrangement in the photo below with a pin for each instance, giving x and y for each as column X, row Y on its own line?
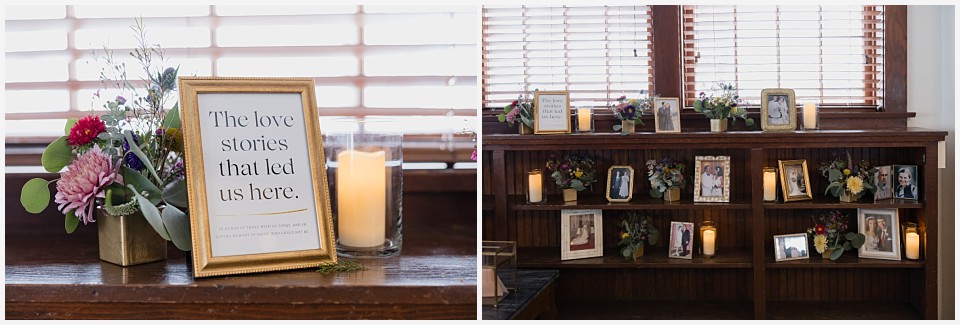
column 665, row 175
column 635, row 232
column 829, row 234
column 521, row 108
column 125, row 161
column 572, row 171
column 844, row 175
column 630, row 109
column 723, row 105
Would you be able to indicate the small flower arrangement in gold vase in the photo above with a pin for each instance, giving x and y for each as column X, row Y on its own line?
column 722, row 104
column 666, row 178
column 830, row 236
column 520, row 110
column 635, row 233
column 630, row 113
column 573, row 173
column 848, row 181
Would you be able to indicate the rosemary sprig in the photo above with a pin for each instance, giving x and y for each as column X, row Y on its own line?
column 341, row 266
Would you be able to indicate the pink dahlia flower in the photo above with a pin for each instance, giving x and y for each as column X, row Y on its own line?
column 84, row 181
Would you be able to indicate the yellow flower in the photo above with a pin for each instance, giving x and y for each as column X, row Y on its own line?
column 820, row 242
column 846, row 171
column 855, row 184
column 578, row 173
column 625, row 235
column 633, row 102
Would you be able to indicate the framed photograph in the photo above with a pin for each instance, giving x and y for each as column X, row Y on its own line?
column 795, row 180
column 619, row 183
column 778, row 109
column 681, row 240
column 666, row 111
column 906, row 187
column 256, row 180
column 790, row 247
column 712, row 181
column 581, row 232
column 551, row 112
column 881, row 227
column 884, row 183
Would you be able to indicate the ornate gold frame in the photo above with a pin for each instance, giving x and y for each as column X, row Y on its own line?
column 204, row 263
column 791, row 109
column 632, row 181
column 536, row 112
column 783, row 180
column 726, row 179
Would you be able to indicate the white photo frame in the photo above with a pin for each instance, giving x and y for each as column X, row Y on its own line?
column 881, row 227
column 790, row 247
column 581, row 234
column 681, row 240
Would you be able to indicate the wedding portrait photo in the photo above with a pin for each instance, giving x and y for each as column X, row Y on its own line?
column 619, row 183
column 712, row 179
column 795, row 179
column 581, row 231
column 790, row 247
column 667, row 114
column 778, row 110
column 681, row 240
column 881, row 228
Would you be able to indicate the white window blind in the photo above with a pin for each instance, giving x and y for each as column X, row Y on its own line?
column 598, row 53
column 414, row 63
column 829, row 54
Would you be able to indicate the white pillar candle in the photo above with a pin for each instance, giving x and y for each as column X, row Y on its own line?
column 535, row 187
column 769, row 186
column 709, row 242
column 913, row 246
column 584, row 116
column 810, row 116
column 361, row 198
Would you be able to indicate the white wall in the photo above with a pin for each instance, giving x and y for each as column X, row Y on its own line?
column 931, row 88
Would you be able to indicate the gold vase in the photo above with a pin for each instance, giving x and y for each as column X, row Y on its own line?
column 826, row 254
column 524, row 129
column 718, row 125
column 129, row 240
column 628, row 126
column 672, row 194
column 569, row 194
column 638, row 252
column 847, row 196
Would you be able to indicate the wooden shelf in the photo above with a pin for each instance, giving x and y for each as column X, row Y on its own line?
column 639, row 202
column 487, row 203
column 834, row 310
column 655, row 309
column 822, row 202
column 849, row 260
column 656, row 257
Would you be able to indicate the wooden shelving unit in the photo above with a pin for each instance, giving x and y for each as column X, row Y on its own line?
column 743, row 280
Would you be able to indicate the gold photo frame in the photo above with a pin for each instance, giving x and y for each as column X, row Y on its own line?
column 553, row 115
column 778, row 109
column 617, row 191
column 795, row 180
column 255, row 175
column 712, row 181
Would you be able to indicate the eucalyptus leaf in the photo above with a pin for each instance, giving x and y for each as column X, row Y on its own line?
column 501, row 118
column 56, row 156
column 35, row 195
column 176, row 193
column 627, row 252
column 172, row 118
column 141, row 184
column 698, row 106
column 846, row 246
column 858, row 240
column 70, row 222
column 624, row 241
column 577, row 184
column 749, row 122
column 139, row 153
column 836, row 254
column 70, row 123
column 655, row 193
column 152, row 214
column 617, row 127
column 834, row 175
column 653, row 236
column 178, row 226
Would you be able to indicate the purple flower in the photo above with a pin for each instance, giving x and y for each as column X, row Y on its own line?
column 160, row 132
column 131, row 159
column 622, row 98
column 121, row 100
column 630, row 111
column 473, row 156
column 564, row 166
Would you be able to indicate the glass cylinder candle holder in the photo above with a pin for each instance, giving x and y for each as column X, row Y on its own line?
column 584, row 119
column 535, row 191
column 708, row 238
column 365, row 178
column 769, row 184
column 912, row 240
column 811, row 116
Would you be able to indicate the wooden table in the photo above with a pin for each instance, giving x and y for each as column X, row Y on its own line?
column 52, row 275
column 535, row 299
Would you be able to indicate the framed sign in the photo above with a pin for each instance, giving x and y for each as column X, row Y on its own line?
column 255, row 175
column 778, row 109
column 551, row 112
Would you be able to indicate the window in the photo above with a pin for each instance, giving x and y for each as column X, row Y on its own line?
column 829, row 54
column 365, row 60
column 598, row 53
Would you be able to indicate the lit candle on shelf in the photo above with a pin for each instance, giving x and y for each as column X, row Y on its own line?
column 769, row 184
column 913, row 246
column 535, row 186
column 361, row 198
column 584, row 116
column 810, row 116
column 709, row 242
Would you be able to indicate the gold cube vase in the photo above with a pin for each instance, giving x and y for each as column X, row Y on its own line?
column 129, row 240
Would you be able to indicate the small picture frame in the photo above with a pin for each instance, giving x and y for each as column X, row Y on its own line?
column 795, row 180
column 551, row 112
column 620, row 183
column 790, row 247
column 581, row 234
column 778, row 109
column 681, row 240
column 905, row 187
column 884, row 183
column 712, row 181
column 881, row 227
column 666, row 113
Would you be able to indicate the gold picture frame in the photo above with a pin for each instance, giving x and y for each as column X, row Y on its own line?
column 229, row 101
column 549, row 121
column 773, row 115
column 795, row 180
column 615, row 184
column 706, row 179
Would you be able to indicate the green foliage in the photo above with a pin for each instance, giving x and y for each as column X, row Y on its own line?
column 342, row 265
column 574, row 171
column 135, row 178
column 70, row 123
column 176, row 193
column 70, row 222
column 139, row 153
column 635, row 231
column 152, row 214
column 656, row 193
column 172, row 118
column 178, row 226
column 35, row 195
column 56, row 156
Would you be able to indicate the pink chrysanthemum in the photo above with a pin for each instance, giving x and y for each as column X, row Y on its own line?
column 83, row 182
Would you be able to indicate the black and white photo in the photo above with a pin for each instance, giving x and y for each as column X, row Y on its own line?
column 681, row 240
column 906, row 182
column 790, row 247
column 666, row 112
column 620, row 183
column 778, row 109
column 881, row 230
column 795, row 180
column 884, row 183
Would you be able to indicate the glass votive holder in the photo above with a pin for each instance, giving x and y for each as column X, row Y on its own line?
column 811, row 116
column 584, row 119
column 708, row 238
column 365, row 179
column 536, row 193
column 912, row 240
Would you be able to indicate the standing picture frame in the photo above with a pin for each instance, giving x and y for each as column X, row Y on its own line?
column 884, row 183
column 551, row 112
column 790, row 247
column 778, row 109
column 881, row 230
column 681, row 240
column 620, row 183
column 795, row 180
column 712, row 179
column 581, row 234
column 255, row 175
column 906, row 187
column 666, row 114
